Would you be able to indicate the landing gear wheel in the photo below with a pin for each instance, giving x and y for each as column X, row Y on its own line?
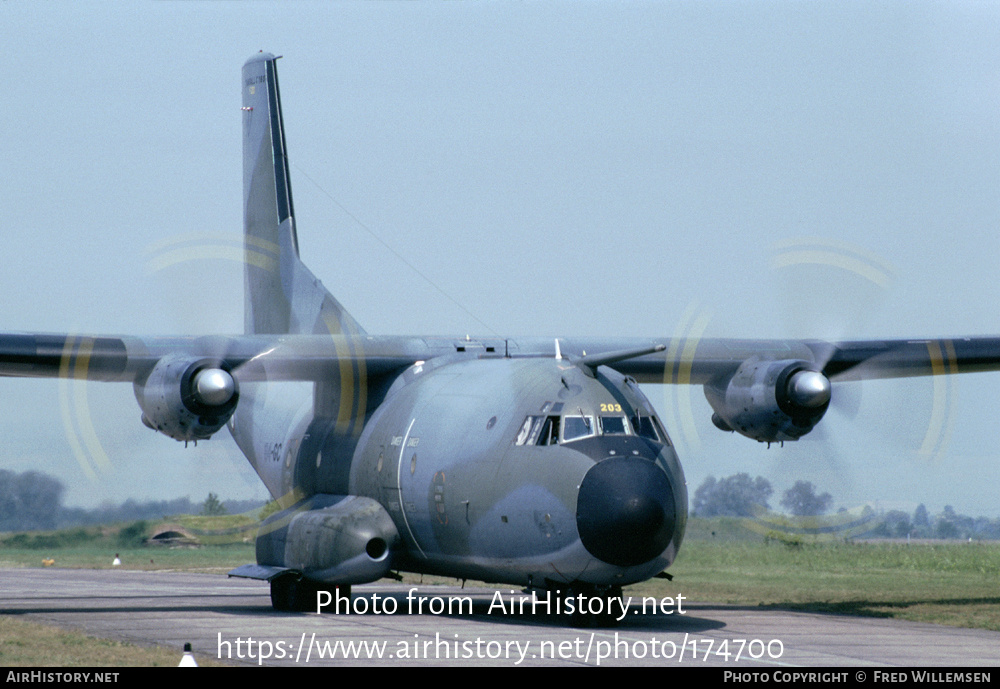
column 600, row 607
column 343, row 590
column 286, row 593
column 281, row 594
column 611, row 609
column 291, row 593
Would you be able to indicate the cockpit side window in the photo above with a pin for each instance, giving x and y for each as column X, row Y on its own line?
column 522, row 435
column 645, row 428
column 530, row 430
column 550, row 431
column 648, row 427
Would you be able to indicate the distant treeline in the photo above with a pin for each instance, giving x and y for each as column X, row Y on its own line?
column 131, row 510
column 945, row 524
column 742, row 496
column 32, row 501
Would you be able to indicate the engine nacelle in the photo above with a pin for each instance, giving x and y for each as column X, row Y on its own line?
column 770, row 401
column 187, row 399
column 337, row 539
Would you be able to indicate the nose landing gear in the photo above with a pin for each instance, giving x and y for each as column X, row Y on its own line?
column 590, row 606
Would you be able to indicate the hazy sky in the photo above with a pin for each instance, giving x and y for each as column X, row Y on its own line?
column 731, row 168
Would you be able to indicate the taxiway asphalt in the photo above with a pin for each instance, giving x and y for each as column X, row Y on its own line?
column 232, row 619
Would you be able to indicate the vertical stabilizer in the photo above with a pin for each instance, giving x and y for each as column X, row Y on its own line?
column 282, row 295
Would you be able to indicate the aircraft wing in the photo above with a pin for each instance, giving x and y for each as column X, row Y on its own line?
column 706, row 360
column 249, row 357
column 778, row 390
column 768, row 390
column 313, row 357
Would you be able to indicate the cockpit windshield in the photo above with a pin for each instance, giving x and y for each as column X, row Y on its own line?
column 553, row 428
column 614, row 424
column 576, row 427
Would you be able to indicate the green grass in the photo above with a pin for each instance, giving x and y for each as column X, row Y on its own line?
column 224, row 542
column 954, row 583
column 28, row 644
column 213, row 559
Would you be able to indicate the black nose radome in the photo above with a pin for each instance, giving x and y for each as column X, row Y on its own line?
column 625, row 511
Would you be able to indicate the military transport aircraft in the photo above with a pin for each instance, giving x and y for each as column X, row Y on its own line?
column 536, row 462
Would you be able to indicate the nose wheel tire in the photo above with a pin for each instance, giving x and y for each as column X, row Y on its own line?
column 600, row 608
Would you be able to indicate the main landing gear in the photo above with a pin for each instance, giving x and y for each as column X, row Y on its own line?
column 291, row 593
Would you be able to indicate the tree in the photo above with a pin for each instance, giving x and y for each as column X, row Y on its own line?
column 29, row 501
column 898, row 523
column 703, row 502
column 733, row 496
column 212, row 507
column 945, row 528
column 802, row 501
column 893, row 524
column 950, row 524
